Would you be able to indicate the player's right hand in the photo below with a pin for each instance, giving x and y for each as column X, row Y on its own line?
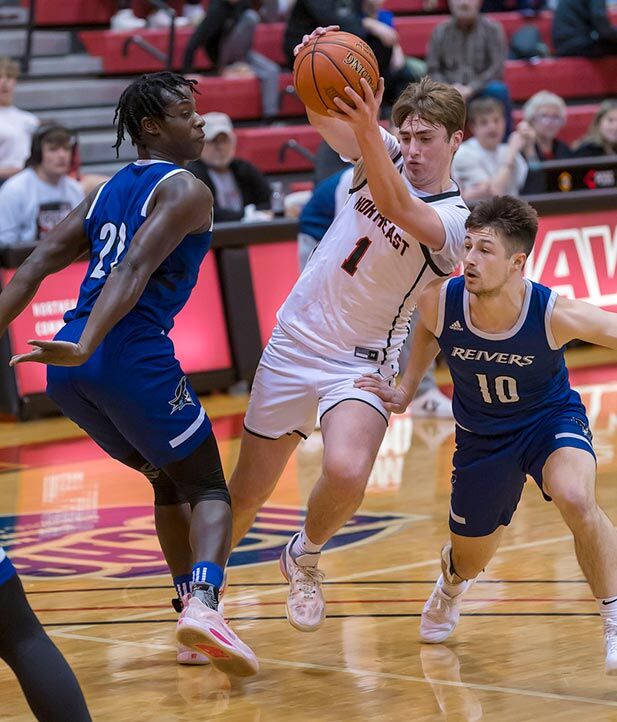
column 53, row 353
column 315, row 34
column 395, row 398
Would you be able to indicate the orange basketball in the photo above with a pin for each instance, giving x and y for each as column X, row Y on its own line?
column 328, row 64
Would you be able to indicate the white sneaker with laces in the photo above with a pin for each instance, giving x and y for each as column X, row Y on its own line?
column 610, row 643
column 305, row 607
column 160, row 19
column 126, row 20
column 186, row 655
column 432, row 405
column 441, row 611
column 204, row 630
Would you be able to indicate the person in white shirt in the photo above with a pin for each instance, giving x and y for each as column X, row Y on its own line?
column 484, row 166
column 37, row 198
column 16, row 126
column 401, row 227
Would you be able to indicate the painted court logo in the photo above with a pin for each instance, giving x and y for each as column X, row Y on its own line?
column 181, row 398
column 120, row 543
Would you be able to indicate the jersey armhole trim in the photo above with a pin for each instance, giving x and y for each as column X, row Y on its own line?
column 96, row 197
column 547, row 321
column 441, row 308
column 144, row 208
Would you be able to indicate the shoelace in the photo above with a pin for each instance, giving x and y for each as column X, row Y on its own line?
column 610, row 635
column 307, row 579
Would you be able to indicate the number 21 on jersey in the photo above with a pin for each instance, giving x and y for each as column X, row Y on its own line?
column 109, row 234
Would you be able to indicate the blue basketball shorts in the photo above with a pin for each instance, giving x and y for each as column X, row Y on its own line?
column 131, row 394
column 490, row 471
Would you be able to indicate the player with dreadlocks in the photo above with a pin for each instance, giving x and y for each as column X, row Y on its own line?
column 112, row 368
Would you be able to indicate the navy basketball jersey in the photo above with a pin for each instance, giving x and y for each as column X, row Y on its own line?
column 505, row 381
column 117, row 212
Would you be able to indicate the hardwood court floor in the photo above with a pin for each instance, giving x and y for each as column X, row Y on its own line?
column 529, row 647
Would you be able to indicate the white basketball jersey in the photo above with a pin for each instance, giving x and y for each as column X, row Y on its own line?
column 359, row 288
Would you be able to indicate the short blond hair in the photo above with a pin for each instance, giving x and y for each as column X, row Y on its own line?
column 434, row 102
column 543, row 97
column 9, row 67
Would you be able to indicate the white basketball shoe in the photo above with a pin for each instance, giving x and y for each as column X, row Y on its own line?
column 204, row 630
column 305, row 607
column 442, row 611
column 610, row 644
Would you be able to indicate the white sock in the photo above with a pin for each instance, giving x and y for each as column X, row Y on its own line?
column 451, row 588
column 303, row 545
column 608, row 608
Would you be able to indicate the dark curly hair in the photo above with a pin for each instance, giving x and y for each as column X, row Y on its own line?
column 144, row 98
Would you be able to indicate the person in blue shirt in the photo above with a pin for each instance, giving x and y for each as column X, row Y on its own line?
column 112, row 367
column 503, row 337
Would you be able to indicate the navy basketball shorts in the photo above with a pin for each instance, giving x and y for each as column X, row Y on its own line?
column 131, row 394
column 490, row 471
column 7, row 570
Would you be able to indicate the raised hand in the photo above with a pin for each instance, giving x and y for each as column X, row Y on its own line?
column 364, row 112
column 315, row 34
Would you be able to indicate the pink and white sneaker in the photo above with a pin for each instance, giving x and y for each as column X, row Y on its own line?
column 186, row 655
column 205, row 631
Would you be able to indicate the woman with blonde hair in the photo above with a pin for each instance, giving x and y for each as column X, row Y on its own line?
column 601, row 137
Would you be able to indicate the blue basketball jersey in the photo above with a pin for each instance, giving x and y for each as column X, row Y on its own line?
column 116, row 214
column 7, row 570
column 503, row 382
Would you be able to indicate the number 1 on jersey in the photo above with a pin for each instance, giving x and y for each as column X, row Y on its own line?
column 351, row 263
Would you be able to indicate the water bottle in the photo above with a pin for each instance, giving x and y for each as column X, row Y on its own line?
column 277, row 199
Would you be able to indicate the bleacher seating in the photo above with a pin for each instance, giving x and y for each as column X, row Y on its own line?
column 87, row 104
column 414, row 33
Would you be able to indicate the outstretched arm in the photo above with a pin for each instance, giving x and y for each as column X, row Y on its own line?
column 63, row 245
column 424, row 348
column 337, row 134
column 181, row 205
column 576, row 319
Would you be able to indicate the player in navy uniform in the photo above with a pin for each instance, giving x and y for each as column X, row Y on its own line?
column 503, row 338
column 112, row 367
column 48, row 682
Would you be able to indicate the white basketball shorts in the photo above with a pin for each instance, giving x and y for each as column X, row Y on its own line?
column 292, row 383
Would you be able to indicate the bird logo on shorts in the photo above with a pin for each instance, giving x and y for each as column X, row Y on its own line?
column 181, row 398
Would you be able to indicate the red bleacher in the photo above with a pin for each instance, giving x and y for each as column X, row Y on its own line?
column 414, row 34
column 239, row 97
column 261, row 146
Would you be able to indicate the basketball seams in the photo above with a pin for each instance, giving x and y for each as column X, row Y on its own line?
column 327, row 71
column 371, row 59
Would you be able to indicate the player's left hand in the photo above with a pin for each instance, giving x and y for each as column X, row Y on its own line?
column 360, row 113
column 395, row 398
column 53, row 353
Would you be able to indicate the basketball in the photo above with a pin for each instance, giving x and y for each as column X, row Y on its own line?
column 328, row 64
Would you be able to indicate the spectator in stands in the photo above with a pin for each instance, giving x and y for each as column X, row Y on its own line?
column 469, row 51
column 484, row 166
column 226, row 34
column 546, row 114
column 583, row 27
column 328, row 198
column 235, row 183
column 601, row 137
column 306, row 15
column 384, row 41
column 16, row 126
column 37, row 198
column 125, row 19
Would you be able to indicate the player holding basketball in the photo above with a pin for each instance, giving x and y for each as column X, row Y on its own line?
column 112, row 366
column 348, row 314
column 45, row 677
column 503, row 337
